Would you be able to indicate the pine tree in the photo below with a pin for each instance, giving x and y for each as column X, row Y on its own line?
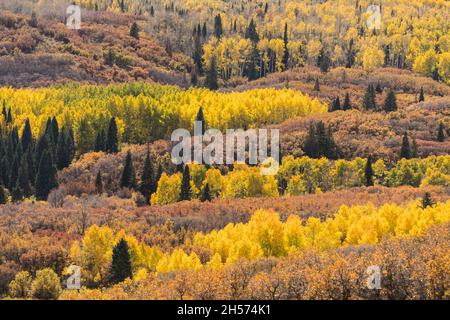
column 405, row 151
column 310, row 146
column 100, row 141
column 99, row 183
column 23, row 180
column 369, row 98
column 186, row 185
column 206, row 194
column 421, row 95
column 128, row 179
column 14, row 172
column 390, row 103
column 55, row 130
column 218, row 30
column 152, row 11
column 336, row 105
column 251, row 66
column 62, row 158
column 148, row 184
column 17, row 194
column 9, row 118
column 211, row 77
column 197, row 56
column 251, row 33
column 134, row 31
column 27, row 136
column 347, row 105
column 204, row 30
column 286, row 49
column 2, row 195
column 121, row 263
column 112, row 141
column 378, row 88
column 201, row 117
column 427, row 201
column 441, row 133
column 368, row 172
column 46, row 177
column 323, row 61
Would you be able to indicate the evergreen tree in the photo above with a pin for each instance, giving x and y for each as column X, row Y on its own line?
column 390, row 103
column 14, row 172
column 128, row 179
column 336, row 105
column 4, row 112
column 286, row 49
column 378, row 88
column 251, row 33
column 121, row 263
column 351, row 54
column 46, row 177
column 347, row 105
column 186, row 185
column 3, row 198
column 99, row 183
column 100, row 141
column 158, row 175
column 204, row 31
column 134, row 30
column 323, row 61
column 405, row 151
column 368, row 172
column 310, row 146
column 421, row 95
column 9, row 118
column 427, row 201
column 251, row 66
column 62, row 158
column 197, row 56
column 200, row 117
column 23, row 180
column 17, row 194
column 218, row 30
column 441, row 133
column 27, row 136
column 148, row 184
column 206, row 194
column 55, row 130
column 112, row 141
column 369, row 98
column 211, row 77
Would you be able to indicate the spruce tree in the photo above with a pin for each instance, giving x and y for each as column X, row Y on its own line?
column 27, row 136
column 211, row 77
column 128, row 179
column 147, row 185
column 200, row 117
column 405, row 151
column 23, row 180
column 347, row 105
column 3, row 198
column 390, row 103
column 112, row 140
column 378, row 88
column 369, row 98
column 441, row 133
column 286, row 48
column 421, row 95
column 204, row 31
column 134, row 30
column 158, row 175
column 427, row 201
column 99, row 183
column 55, row 130
column 62, row 158
column 17, row 194
column 206, row 194
column 186, row 185
column 218, row 30
column 14, row 172
column 323, row 61
column 46, row 177
column 336, row 105
column 368, row 172
column 310, row 146
column 121, row 263
column 251, row 33
column 197, row 55
column 100, row 141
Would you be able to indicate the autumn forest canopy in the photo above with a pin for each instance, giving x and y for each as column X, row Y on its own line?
column 89, row 189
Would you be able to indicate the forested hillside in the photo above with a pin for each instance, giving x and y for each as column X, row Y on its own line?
column 89, row 187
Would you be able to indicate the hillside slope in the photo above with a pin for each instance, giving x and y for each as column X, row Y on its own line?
column 42, row 51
